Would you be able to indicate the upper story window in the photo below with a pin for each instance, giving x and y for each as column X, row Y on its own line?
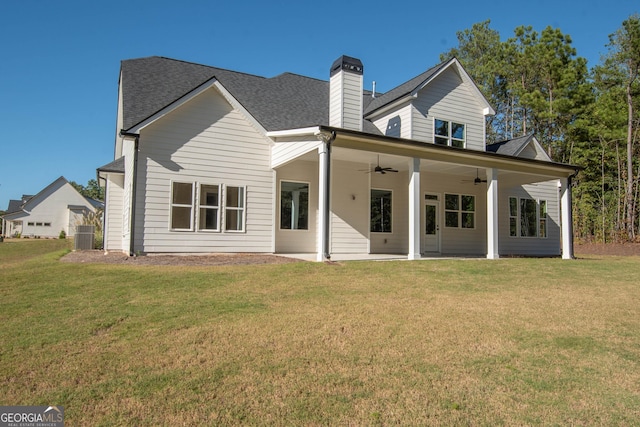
column 449, row 133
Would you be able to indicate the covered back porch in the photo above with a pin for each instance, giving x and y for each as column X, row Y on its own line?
column 352, row 194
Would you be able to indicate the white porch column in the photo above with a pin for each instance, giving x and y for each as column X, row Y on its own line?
column 492, row 214
column 566, row 220
column 414, row 209
column 323, row 222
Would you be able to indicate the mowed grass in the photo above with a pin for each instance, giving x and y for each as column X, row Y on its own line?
column 434, row 342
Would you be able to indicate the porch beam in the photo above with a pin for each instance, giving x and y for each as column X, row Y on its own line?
column 414, row 209
column 566, row 220
column 492, row 214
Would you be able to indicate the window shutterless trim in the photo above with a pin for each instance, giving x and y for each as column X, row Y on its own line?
column 539, row 219
column 291, row 181
column 459, row 211
column 199, row 206
column 390, row 207
column 449, row 137
column 181, row 205
column 236, row 209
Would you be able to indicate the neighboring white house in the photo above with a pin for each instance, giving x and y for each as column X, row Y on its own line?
column 58, row 207
column 211, row 160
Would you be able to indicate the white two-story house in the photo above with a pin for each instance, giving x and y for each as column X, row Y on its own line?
column 209, row 160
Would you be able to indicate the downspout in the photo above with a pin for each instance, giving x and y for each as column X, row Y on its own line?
column 327, row 199
column 134, row 177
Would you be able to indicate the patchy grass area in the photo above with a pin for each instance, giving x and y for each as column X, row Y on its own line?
column 445, row 342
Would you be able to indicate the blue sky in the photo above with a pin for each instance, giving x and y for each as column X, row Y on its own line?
column 59, row 60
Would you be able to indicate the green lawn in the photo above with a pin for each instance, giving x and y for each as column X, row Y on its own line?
column 444, row 342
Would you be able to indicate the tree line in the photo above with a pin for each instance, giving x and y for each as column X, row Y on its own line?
column 588, row 117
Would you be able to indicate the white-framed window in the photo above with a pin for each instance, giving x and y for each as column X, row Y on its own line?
column 381, row 211
column 294, row 205
column 209, row 207
column 513, row 216
column 182, row 197
column 542, row 218
column 199, row 206
column 459, row 211
column 449, row 133
column 527, row 217
column 234, row 208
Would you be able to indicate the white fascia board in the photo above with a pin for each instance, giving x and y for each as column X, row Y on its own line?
column 314, row 130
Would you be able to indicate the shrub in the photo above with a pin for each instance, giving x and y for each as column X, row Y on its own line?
column 62, row 235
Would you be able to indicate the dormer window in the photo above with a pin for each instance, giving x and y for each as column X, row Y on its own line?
column 448, row 133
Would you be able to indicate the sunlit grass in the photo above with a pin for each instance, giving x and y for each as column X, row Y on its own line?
column 446, row 342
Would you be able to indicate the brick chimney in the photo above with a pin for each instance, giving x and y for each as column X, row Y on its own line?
column 345, row 93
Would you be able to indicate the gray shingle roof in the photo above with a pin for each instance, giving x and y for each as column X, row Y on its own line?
column 286, row 101
column 402, row 90
column 116, row 166
column 511, row 146
column 14, row 206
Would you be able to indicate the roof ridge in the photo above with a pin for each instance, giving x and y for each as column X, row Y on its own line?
column 529, row 135
column 205, row 65
column 297, row 75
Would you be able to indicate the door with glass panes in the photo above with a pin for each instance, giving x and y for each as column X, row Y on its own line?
column 431, row 236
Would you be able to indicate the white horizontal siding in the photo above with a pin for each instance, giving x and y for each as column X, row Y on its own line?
column 549, row 245
column 298, row 241
column 397, row 241
column 448, row 98
column 349, row 208
column 404, row 114
column 204, row 141
column 345, row 102
column 284, row 152
column 458, row 241
column 114, row 203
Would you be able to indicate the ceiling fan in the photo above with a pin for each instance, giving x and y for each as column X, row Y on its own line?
column 476, row 180
column 379, row 169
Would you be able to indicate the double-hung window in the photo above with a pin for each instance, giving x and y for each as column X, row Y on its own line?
column 527, row 217
column 449, row 133
column 201, row 204
column 294, row 205
column 182, row 206
column 234, row 210
column 209, row 207
column 459, row 211
column 381, row 211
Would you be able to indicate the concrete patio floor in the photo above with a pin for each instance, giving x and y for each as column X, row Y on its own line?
column 375, row 257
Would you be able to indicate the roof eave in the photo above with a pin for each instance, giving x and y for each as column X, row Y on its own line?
column 408, row 147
